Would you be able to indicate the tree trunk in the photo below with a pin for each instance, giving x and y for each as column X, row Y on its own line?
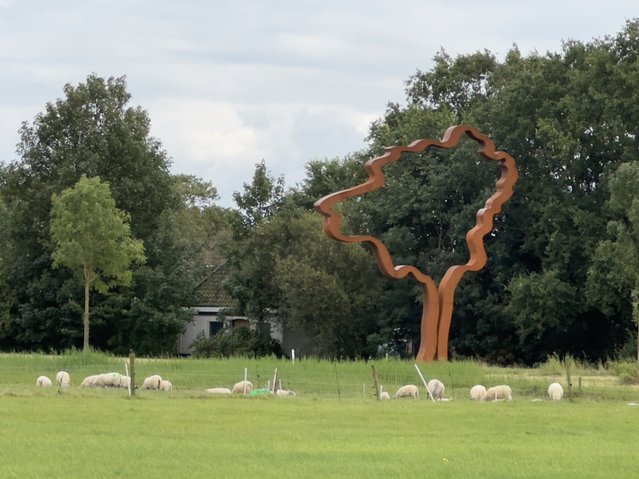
column 85, row 317
column 430, row 321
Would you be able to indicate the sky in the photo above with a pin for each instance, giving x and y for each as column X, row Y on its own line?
column 228, row 83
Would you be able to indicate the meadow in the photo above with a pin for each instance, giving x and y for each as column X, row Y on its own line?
column 334, row 427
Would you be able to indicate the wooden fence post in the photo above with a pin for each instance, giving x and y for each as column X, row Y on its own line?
column 132, row 373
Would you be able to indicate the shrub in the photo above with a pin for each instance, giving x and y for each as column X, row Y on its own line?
column 237, row 342
column 627, row 371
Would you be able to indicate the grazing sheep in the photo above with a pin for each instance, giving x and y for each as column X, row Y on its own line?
column 284, row 393
column 152, row 382
column 408, row 391
column 89, row 381
column 383, row 395
column 63, row 379
column 555, row 391
column 108, row 380
column 165, row 385
column 43, row 382
column 219, row 391
column 243, row 387
column 125, row 382
column 477, row 392
column 497, row 393
column 436, row 388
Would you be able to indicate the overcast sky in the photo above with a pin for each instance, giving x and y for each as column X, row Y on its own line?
column 228, row 83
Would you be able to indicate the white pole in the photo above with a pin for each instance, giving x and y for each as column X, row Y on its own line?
column 126, row 370
column 293, row 356
column 424, row 381
column 274, row 381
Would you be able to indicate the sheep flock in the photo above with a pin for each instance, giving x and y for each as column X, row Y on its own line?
column 435, row 388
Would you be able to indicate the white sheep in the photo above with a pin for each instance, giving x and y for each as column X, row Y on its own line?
column 43, row 382
column 219, row 391
column 125, row 382
column 108, row 380
column 496, row 393
column 152, row 382
column 88, row 382
column 436, row 388
column 383, row 395
column 408, row 391
column 243, row 387
column 165, row 385
column 284, row 393
column 555, row 391
column 477, row 392
column 63, row 379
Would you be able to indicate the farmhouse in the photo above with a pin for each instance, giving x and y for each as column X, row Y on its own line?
column 214, row 314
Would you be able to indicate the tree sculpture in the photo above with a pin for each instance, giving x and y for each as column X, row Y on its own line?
column 438, row 301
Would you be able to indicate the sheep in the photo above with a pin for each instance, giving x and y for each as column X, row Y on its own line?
column 165, row 385
column 125, row 382
column 436, row 388
column 410, row 390
column 243, row 387
column 63, row 379
column 43, row 382
column 555, row 391
column 152, row 382
column 284, row 393
column 495, row 393
column 108, row 380
column 383, row 395
column 477, row 392
column 89, row 381
column 219, row 391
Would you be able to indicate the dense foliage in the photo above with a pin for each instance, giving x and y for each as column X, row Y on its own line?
column 562, row 271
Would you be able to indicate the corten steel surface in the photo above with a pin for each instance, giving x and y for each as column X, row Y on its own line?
column 438, row 301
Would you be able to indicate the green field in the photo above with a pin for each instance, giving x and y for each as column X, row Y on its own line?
column 88, row 433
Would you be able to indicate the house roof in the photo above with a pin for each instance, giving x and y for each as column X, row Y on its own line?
column 211, row 292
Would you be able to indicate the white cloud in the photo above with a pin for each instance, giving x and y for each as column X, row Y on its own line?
column 230, row 83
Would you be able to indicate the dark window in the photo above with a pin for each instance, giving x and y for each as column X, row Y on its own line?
column 215, row 327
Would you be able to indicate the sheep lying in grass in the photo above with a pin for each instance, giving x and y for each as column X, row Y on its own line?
column 555, row 391
column 43, row 382
column 243, row 387
column 165, row 385
column 477, row 392
column 436, row 388
column 408, row 391
column 284, row 393
column 152, row 382
column 498, row 393
column 63, row 379
column 219, row 391
column 106, row 380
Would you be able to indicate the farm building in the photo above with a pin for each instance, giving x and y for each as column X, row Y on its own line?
column 213, row 315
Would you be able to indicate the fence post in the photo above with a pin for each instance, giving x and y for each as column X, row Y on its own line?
column 132, row 373
column 374, row 378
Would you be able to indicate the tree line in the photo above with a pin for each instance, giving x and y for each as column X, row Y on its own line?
column 563, row 259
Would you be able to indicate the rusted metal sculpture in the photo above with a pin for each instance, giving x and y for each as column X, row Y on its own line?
column 438, row 301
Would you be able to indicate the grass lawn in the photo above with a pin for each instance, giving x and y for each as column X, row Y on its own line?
column 89, row 433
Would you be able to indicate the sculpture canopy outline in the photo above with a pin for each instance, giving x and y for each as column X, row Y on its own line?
column 438, row 300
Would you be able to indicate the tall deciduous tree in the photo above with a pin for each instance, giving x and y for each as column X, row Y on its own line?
column 568, row 119
column 620, row 255
column 93, row 238
column 93, row 130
